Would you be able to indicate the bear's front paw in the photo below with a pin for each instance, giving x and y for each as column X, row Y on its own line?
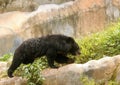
column 55, row 67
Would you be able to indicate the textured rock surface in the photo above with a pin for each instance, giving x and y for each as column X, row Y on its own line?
column 3, row 68
column 101, row 70
column 25, row 5
column 13, row 81
column 73, row 18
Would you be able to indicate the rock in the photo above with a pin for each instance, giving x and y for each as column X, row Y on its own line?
column 100, row 70
column 12, row 21
column 75, row 18
column 13, row 81
column 27, row 5
column 3, row 68
column 9, row 81
column 9, row 31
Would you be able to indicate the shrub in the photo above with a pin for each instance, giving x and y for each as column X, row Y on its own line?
column 89, row 81
column 32, row 72
column 105, row 43
column 6, row 57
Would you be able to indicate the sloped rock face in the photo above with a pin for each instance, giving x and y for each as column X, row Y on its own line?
column 25, row 5
column 101, row 70
column 9, row 32
column 3, row 66
column 74, row 18
column 13, row 81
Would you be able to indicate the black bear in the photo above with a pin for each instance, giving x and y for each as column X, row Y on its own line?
column 54, row 47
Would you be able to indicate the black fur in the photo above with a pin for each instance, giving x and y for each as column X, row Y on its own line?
column 54, row 47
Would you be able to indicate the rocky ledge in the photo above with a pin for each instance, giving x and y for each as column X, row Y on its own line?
column 103, row 69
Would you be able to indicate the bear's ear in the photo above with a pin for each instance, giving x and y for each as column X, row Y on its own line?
column 69, row 40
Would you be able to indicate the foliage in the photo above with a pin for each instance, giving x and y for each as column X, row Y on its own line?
column 89, row 81
column 6, row 57
column 105, row 43
column 32, row 72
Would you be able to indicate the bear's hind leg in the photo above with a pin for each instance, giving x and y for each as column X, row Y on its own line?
column 15, row 63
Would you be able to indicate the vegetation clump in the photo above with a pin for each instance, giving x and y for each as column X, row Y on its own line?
column 89, row 81
column 32, row 72
column 98, row 45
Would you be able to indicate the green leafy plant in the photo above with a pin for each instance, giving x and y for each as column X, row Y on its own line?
column 6, row 57
column 105, row 43
column 89, row 81
column 32, row 72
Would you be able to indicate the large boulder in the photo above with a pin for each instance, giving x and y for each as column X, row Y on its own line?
column 25, row 5
column 100, row 70
column 3, row 68
column 13, row 81
column 103, row 69
column 74, row 18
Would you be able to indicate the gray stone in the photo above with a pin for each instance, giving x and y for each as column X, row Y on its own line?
column 103, row 69
column 100, row 70
column 74, row 18
column 25, row 5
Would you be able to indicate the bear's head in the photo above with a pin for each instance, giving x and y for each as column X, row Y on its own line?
column 74, row 47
